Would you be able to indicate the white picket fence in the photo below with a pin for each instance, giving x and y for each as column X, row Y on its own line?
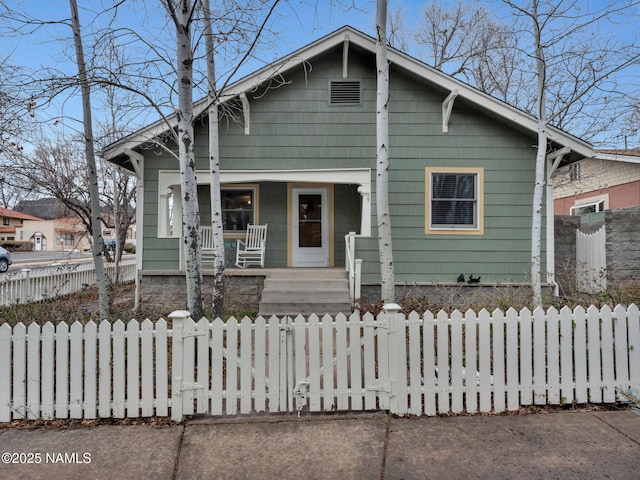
column 28, row 285
column 419, row 365
column 591, row 261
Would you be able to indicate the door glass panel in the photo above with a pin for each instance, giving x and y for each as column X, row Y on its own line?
column 310, row 220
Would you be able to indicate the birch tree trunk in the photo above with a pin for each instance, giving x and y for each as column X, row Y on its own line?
column 382, row 157
column 94, row 192
column 538, row 189
column 182, row 15
column 214, row 168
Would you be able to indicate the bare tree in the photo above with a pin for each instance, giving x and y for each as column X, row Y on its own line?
column 182, row 14
column 558, row 40
column 214, row 166
column 385, row 246
column 460, row 39
column 94, row 192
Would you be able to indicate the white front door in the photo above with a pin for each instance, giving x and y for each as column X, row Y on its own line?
column 310, row 227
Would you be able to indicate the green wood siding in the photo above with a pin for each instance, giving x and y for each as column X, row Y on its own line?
column 294, row 127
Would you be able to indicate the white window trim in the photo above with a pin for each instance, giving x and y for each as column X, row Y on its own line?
column 602, row 200
column 478, row 229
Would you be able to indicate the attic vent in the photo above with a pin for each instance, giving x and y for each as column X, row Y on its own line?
column 345, row 92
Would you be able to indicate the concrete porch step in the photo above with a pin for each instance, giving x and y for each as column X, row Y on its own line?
column 305, row 291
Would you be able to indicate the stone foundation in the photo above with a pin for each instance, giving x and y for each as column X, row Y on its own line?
column 167, row 290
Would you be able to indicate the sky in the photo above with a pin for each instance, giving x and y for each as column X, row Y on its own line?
column 297, row 22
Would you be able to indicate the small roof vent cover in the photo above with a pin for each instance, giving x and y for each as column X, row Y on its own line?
column 345, row 92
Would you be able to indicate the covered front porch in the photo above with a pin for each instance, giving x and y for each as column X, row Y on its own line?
column 308, row 212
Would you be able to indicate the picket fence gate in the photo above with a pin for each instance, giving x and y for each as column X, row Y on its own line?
column 418, row 365
column 591, row 261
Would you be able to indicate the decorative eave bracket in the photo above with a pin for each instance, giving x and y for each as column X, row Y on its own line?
column 447, row 106
column 136, row 161
column 246, row 110
column 554, row 159
column 345, row 57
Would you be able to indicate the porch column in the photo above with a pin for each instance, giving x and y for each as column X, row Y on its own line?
column 365, row 219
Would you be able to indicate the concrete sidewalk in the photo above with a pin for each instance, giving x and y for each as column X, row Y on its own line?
column 568, row 445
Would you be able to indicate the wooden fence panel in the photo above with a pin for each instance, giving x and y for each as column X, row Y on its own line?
column 458, row 374
column 119, row 370
column 498, row 362
column 418, row 365
column 104, row 373
column 217, row 366
column 512, row 359
column 608, row 373
column 429, row 373
column 355, row 361
column 27, row 285
column 415, row 362
column 471, row 361
column 146, row 369
column 633, row 346
column 33, row 371
column 48, row 371
column 566, row 356
column 315, row 402
column 62, row 370
column 484, row 360
column 90, row 392
column 260, row 363
column 580, row 353
column 76, row 370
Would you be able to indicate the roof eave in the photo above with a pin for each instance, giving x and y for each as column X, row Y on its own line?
column 580, row 149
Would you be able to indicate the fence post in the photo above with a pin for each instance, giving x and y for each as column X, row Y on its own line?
column 26, row 286
column 393, row 319
column 177, row 360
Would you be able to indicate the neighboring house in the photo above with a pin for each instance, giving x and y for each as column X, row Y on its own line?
column 302, row 159
column 10, row 220
column 48, row 208
column 54, row 235
column 611, row 180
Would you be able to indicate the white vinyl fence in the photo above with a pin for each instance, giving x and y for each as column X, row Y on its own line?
column 28, row 285
column 591, row 261
column 419, row 365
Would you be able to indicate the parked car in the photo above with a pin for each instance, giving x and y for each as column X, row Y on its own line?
column 5, row 260
column 110, row 243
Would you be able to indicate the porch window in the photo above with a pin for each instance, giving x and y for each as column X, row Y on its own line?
column 238, row 208
column 454, row 201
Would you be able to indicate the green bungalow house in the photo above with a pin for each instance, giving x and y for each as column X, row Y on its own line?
column 301, row 146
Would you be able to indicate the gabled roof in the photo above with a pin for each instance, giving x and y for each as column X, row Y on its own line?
column 497, row 108
column 7, row 213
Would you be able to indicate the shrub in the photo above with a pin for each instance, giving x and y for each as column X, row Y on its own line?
column 17, row 245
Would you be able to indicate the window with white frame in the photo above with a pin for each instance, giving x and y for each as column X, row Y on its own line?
column 454, row 200
column 238, row 208
column 590, row 207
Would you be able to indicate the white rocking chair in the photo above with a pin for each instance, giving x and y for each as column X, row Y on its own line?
column 206, row 244
column 251, row 251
